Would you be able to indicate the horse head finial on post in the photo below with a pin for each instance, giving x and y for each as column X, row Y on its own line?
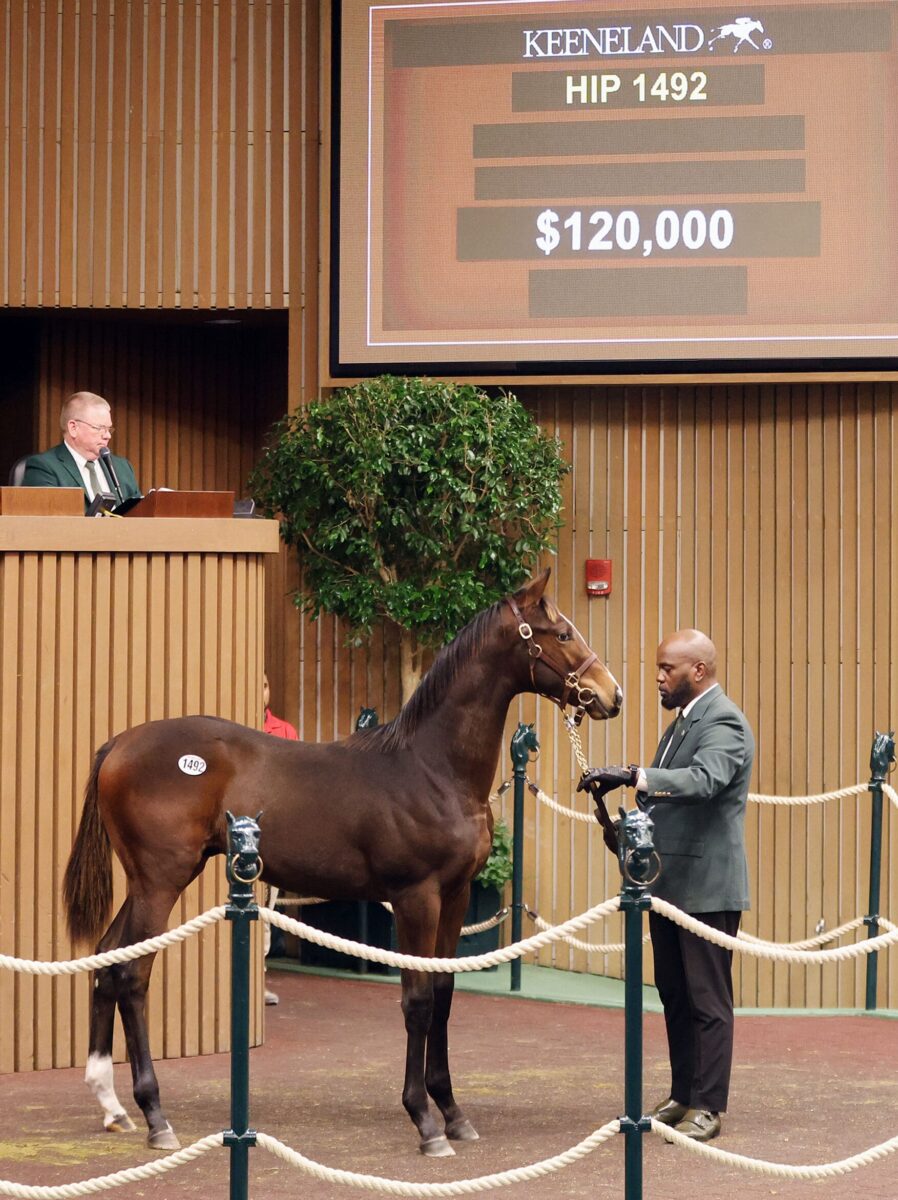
column 524, row 746
column 639, row 861
column 882, row 755
column 244, row 864
column 367, row 718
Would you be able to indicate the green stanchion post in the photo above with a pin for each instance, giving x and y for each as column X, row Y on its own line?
column 243, row 868
column 639, row 865
column 882, row 755
column 523, row 742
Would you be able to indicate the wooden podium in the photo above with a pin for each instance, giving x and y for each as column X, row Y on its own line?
column 107, row 623
column 41, row 502
column 164, row 503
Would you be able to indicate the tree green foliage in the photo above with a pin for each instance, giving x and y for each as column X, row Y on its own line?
column 498, row 867
column 412, row 501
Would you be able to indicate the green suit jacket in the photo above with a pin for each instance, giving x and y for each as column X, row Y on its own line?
column 57, row 468
column 698, row 799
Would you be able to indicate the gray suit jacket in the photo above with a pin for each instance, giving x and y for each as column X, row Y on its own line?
column 698, row 800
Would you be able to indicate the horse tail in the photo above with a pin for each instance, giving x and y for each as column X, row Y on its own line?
column 87, row 886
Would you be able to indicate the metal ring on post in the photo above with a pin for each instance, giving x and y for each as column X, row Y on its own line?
column 248, row 878
column 625, row 868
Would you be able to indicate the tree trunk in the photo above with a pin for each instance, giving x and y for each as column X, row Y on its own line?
column 410, row 658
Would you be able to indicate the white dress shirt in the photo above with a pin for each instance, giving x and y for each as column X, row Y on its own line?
column 81, row 463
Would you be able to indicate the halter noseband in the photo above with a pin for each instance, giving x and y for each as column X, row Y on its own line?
column 571, row 679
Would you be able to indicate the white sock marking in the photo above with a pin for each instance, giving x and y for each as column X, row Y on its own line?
column 98, row 1077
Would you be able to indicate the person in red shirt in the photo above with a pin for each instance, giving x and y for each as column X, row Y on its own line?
column 277, row 727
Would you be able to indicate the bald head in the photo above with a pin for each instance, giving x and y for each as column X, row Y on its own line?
column 687, row 666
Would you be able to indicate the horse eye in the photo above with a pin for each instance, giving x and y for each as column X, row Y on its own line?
column 567, row 636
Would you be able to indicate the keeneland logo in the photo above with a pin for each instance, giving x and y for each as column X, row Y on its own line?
column 608, row 40
column 740, row 31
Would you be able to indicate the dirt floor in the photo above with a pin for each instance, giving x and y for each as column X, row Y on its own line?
column 535, row 1078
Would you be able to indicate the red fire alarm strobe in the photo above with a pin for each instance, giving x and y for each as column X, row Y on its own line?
column 598, row 577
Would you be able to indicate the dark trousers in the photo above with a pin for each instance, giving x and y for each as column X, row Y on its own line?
column 695, row 981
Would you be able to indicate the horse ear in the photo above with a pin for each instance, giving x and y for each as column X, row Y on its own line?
column 532, row 592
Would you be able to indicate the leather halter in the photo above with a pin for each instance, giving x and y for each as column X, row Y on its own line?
column 571, row 679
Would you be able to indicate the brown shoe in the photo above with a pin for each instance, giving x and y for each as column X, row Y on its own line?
column 699, row 1124
column 669, row 1111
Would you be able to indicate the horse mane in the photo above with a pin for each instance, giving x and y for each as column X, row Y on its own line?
column 427, row 696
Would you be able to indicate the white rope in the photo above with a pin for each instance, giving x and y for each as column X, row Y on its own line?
column 760, row 949
column 561, row 808
column 841, row 794
column 472, row 962
column 588, row 947
column 785, row 951
column 465, row 930
column 889, row 792
column 755, row 797
column 72, row 966
column 783, row 1170
column 828, row 935
column 459, row 1187
column 483, row 926
column 102, row 1183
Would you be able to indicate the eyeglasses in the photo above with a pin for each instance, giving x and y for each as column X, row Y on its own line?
column 110, row 429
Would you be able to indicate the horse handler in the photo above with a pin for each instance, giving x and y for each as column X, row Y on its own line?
column 697, row 787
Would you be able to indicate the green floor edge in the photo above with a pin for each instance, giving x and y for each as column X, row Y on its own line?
column 560, row 987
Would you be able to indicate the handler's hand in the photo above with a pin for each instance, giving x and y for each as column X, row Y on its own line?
column 609, row 777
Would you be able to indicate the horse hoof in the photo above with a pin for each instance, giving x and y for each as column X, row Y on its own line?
column 437, row 1147
column 163, row 1139
column 462, row 1131
column 121, row 1123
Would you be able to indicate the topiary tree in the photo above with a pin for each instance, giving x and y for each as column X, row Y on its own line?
column 411, row 501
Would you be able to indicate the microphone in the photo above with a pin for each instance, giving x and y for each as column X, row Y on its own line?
column 106, row 459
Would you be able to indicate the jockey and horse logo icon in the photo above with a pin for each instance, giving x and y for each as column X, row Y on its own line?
column 740, row 30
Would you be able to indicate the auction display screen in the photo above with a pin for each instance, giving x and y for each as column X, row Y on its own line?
column 519, row 185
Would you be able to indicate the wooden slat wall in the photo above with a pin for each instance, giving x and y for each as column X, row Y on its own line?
column 764, row 516
column 92, row 644
column 190, row 402
column 144, row 156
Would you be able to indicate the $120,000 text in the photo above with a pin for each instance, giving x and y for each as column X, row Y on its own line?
column 668, row 231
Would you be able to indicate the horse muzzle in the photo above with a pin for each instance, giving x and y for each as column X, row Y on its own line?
column 597, row 708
